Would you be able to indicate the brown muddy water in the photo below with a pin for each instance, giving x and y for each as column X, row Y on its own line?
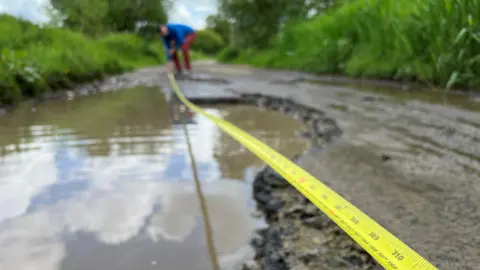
column 104, row 182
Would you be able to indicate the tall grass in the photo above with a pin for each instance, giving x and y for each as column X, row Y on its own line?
column 431, row 41
column 34, row 60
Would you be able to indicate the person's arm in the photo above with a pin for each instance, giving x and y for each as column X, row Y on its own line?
column 168, row 50
column 167, row 47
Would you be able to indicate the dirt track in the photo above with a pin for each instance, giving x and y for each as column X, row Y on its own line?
column 414, row 167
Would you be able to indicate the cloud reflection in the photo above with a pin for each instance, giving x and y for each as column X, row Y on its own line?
column 114, row 216
column 225, row 202
column 37, row 240
column 31, row 242
column 24, row 175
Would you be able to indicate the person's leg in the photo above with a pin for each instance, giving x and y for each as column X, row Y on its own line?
column 177, row 63
column 185, row 49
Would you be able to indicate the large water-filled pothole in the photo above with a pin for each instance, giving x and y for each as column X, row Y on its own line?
column 105, row 182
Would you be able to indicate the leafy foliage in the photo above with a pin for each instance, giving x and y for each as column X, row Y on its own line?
column 219, row 24
column 228, row 54
column 34, row 60
column 95, row 17
column 435, row 42
column 257, row 23
column 208, row 41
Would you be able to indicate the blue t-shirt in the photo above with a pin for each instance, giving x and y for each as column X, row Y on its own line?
column 176, row 32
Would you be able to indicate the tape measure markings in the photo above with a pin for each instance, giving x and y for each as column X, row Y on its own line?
column 336, row 216
column 383, row 246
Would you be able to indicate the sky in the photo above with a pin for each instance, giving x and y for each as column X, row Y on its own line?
column 191, row 12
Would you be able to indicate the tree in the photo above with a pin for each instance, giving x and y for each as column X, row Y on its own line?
column 83, row 15
column 97, row 16
column 257, row 23
column 208, row 41
column 55, row 17
column 219, row 24
column 124, row 14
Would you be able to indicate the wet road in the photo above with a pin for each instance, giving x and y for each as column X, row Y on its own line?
column 409, row 160
column 104, row 182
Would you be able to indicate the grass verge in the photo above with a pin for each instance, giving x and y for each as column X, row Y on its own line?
column 35, row 59
column 428, row 41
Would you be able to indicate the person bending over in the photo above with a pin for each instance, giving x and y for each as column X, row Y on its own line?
column 175, row 37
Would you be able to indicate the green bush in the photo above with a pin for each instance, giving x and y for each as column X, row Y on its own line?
column 149, row 32
column 208, row 42
column 37, row 59
column 228, row 55
column 133, row 51
column 435, row 42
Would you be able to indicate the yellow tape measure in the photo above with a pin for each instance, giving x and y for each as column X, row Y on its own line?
column 387, row 250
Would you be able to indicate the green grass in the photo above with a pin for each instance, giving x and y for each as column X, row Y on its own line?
column 197, row 55
column 35, row 60
column 431, row 41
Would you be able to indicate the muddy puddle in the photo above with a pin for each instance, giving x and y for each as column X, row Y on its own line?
column 104, row 182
